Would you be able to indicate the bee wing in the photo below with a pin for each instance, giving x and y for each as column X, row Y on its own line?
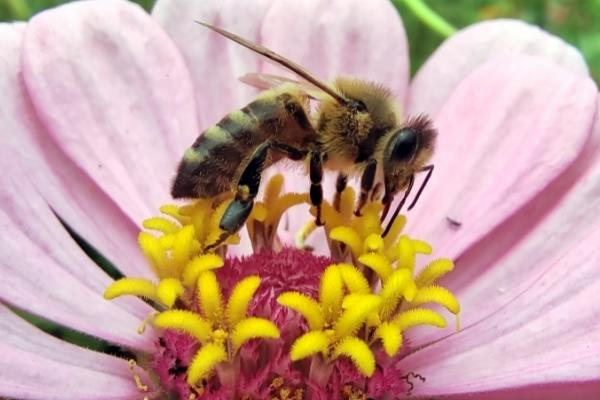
column 284, row 62
column 269, row 81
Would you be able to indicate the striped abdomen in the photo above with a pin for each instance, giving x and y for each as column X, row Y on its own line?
column 211, row 165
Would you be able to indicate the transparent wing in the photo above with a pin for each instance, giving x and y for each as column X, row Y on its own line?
column 269, row 81
column 277, row 58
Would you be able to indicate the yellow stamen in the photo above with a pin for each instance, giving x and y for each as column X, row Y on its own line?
column 439, row 295
column 397, row 227
column 349, row 237
column 309, row 344
column 160, row 224
column 393, row 289
column 210, row 297
column 183, row 246
column 360, row 354
column 252, row 328
column 434, row 271
column 352, row 318
column 185, row 321
column 353, row 279
column 419, row 316
column 154, row 252
column 239, row 300
column 131, row 286
column 304, row 232
column 406, row 253
column 205, row 362
column 391, row 337
column 169, row 290
column 173, row 211
column 378, row 263
column 305, row 305
column 199, row 264
column 331, row 292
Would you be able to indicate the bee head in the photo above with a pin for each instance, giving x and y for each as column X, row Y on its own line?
column 407, row 150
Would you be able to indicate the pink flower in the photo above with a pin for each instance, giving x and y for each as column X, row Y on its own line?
column 100, row 101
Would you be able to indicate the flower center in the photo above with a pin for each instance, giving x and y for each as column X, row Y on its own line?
column 284, row 323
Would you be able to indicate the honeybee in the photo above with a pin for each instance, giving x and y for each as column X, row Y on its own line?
column 356, row 129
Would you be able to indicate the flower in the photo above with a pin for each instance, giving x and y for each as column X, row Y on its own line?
column 99, row 104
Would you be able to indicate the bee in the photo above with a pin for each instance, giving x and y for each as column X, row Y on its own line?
column 356, row 129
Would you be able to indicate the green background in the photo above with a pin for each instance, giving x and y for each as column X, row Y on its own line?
column 576, row 21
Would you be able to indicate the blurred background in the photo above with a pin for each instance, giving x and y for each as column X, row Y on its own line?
column 576, row 21
column 428, row 23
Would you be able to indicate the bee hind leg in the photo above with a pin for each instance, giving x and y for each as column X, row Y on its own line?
column 366, row 184
column 239, row 209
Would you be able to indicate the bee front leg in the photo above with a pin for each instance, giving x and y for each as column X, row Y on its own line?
column 316, row 190
column 366, row 184
column 239, row 209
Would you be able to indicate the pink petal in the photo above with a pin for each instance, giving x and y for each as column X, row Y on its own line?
column 45, row 273
column 215, row 63
column 546, row 335
column 513, row 257
column 30, row 376
column 467, row 49
column 22, row 336
column 69, row 191
column 358, row 38
column 115, row 95
column 505, row 134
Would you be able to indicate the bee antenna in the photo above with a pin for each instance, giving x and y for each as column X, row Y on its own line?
column 429, row 170
column 411, row 181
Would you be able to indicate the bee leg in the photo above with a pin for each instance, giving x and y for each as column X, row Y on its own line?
column 316, row 190
column 387, row 201
column 366, row 184
column 290, row 152
column 239, row 209
column 340, row 185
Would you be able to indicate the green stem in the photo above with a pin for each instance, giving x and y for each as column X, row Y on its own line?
column 429, row 17
column 19, row 9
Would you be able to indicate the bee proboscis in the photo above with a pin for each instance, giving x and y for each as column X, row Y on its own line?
column 356, row 129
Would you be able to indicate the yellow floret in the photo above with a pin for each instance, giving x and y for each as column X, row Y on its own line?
column 185, row 321
column 359, row 352
column 419, row 316
column 331, row 292
column 210, row 297
column 169, row 290
column 305, row 305
column 131, row 286
column 353, row 318
column 309, row 344
column 439, row 295
column 199, row 264
column 391, row 337
column 205, row 361
column 434, row 271
column 252, row 328
column 240, row 299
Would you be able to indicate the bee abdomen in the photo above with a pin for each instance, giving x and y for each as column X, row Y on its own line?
column 210, row 164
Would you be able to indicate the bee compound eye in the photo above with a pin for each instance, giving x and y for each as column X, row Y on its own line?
column 405, row 144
